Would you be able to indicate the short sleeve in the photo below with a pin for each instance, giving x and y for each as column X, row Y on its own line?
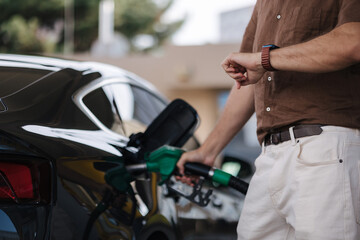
column 349, row 11
column 249, row 35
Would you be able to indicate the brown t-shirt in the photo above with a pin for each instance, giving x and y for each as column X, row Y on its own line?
column 290, row 98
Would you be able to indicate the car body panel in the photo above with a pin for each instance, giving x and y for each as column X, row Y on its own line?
column 41, row 117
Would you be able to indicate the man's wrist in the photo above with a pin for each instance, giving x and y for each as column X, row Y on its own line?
column 209, row 150
column 259, row 65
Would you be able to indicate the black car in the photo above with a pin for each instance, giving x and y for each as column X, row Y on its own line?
column 68, row 130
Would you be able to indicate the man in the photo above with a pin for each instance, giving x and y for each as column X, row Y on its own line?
column 306, row 95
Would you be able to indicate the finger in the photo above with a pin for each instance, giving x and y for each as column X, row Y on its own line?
column 189, row 182
column 235, row 64
column 237, row 76
column 238, row 84
column 226, row 64
column 178, row 178
column 232, row 69
column 194, row 179
column 180, row 166
column 181, row 169
column 183, row 179
column 237, row 68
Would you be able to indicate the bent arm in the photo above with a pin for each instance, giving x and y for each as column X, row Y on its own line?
column 238, row 109
column 333, row 51
column 330, row 52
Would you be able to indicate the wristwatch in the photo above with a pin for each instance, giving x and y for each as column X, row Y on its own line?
column 265, row 57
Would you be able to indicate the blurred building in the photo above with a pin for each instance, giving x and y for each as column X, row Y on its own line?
column 233, row 24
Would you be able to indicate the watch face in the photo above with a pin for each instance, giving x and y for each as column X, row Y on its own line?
column 271, row 46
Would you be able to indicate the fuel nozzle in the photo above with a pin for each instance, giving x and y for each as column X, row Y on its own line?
column 163, row 161
column 216, row 175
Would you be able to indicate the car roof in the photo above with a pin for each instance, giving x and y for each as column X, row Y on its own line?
column 39, row 62
column 14, row 67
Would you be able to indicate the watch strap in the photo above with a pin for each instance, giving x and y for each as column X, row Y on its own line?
column 265, row 57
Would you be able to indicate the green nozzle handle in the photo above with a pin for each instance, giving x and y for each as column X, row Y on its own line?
column 163, row 160
column 216, row 175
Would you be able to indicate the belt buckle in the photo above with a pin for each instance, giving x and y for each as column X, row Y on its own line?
column 275, row 138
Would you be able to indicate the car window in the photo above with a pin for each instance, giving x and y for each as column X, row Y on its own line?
column 124, row 108
column 147, row 105
column 99, row 104
column 17, row 78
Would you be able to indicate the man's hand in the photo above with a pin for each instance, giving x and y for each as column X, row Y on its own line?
column 194, row 156
column 244, row 68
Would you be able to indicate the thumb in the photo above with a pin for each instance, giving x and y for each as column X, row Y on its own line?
column 180, row 164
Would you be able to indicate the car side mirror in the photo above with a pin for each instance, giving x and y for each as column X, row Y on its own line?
column 173, row 126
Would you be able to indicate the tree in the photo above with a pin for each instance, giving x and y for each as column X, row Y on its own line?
column 21, row 35
column 142, row 18
column 43, row 20
column 21, row 23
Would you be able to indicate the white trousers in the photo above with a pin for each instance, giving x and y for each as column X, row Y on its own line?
column 305, row 189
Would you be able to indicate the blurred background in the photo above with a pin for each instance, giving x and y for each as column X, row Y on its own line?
column 177, row 45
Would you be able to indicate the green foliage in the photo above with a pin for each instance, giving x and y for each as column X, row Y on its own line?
column 138, row 17
column 47, row 12
column 86, row 23
column 30, row 26
column 20, row 36
column 135, row 16
column 20, row 22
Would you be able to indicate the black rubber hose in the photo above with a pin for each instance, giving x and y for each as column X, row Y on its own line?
column 239, row 185
column 93, row 216
column 99, row 209
column 199, row 169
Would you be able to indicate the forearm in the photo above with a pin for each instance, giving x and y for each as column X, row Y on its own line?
column 238, row 109
column 333, row 51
